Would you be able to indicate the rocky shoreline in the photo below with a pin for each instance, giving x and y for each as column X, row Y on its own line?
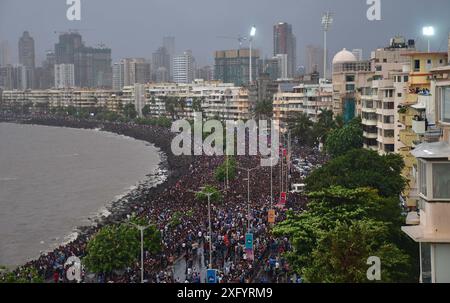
column 171, row 167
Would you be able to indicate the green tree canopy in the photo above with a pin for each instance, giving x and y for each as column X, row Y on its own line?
column 341, row 140
column 263, row 109
column 301, row 127
column 216, row 196
column 341, row 254
column 361, row 168
column 221, row 171
column 21, row 275
column 116, row 247
column 129, row 111
column 341, row 229
column 146, row 110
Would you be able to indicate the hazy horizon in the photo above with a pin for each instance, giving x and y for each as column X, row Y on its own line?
column 135, row 28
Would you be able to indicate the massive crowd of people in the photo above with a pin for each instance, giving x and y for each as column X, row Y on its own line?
column 189, row 238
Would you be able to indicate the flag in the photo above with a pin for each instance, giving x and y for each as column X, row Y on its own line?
column 271, row 216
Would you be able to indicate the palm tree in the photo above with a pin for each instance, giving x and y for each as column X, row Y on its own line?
column 170, row 103
column 300, row 126
column 263, row 110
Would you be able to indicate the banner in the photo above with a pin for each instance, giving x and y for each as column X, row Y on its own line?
column 271, row 216
column 211, row 276
column 250, row 254
column 283, row 198
column 249, row 241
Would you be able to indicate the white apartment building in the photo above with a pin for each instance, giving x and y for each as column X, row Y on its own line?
column 183, row 68
column 64, row 76
column 215, row 99
column 303, row 98
column 378, row 97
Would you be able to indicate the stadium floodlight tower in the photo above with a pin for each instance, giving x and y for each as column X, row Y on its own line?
column 428, row 31
column 327, row 20
column 250, row 39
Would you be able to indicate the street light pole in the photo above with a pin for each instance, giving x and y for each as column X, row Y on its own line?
column 248, row 192
column 252, row 34
column 141, row 230
column 327, row 20
column 428, row 31
column 209, row 224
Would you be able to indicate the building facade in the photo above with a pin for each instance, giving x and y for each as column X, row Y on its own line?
column 233, row 66
column 64, row 76
column 284, row 42
column 183, row 68
column 349, row 77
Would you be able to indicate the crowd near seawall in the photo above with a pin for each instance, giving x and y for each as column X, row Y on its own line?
column 188, row 240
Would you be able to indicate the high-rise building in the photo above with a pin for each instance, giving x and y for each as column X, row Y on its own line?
column 284, row 42
column 232, row 66
column 26, row 51
column 130, row 71
column 161, row 65
column 183, row 68
column 47, row 78
column 449, row 48
column 378, row 99
column 314, row 59
column 269, row 67
column 92, row 65
column 169, row 45
column 14, row 77
column 4, row 53
column 358, row 52
column 27, row 57
column 117, row 78
column 6, row 77
column 64, row 75
column 282, row 64
column 67, row 45
column 205, row 73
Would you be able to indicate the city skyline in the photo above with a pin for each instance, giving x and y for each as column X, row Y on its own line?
column 203, row 40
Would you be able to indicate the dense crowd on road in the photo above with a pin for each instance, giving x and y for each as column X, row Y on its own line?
column 189, row 236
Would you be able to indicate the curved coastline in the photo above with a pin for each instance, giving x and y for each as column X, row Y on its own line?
column 170, row 169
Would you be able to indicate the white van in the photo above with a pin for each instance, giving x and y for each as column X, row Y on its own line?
column 298, row 188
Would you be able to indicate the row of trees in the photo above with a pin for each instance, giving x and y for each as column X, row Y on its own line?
column 353, row 213
column 116, row 247
column 312, row 133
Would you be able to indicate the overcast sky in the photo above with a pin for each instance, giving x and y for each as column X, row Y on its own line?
column 136, row 27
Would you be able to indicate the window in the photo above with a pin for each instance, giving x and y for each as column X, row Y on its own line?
column 445, row 104
column 441, row 180
column 385, row 60
column 399, row 95
column 350, row 87
column 388, row 119
column 423, row 178
column 378, row 68
column 389, row 148
column 389, row 133
column 416, row 65
column 425, row 261
column 350, row 78
column 405, row 78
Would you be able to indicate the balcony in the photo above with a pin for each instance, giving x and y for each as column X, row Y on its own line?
column 370, row 135
column 407, row 157
column 407, row 137
column 418, row 127
column 433, row 135
column 410, row 99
